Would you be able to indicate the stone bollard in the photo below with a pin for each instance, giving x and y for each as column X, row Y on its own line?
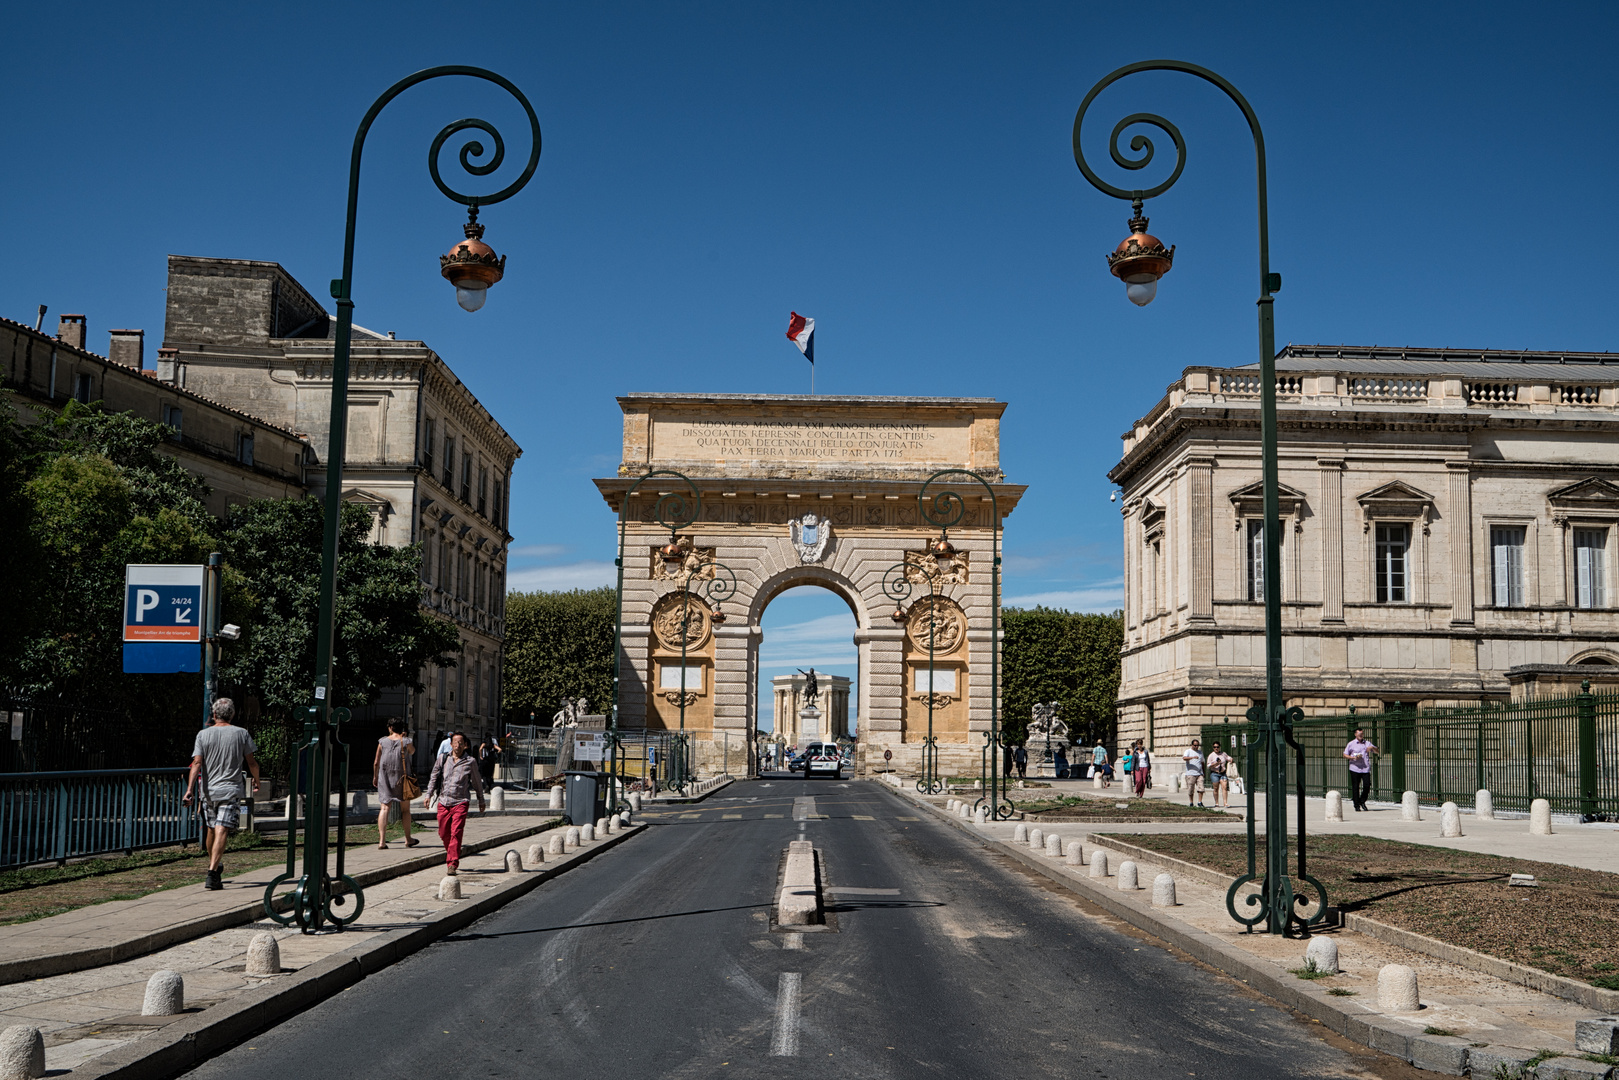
column 624, row 819
column 1450, row 820
column 553, row 843
column 1129, row 880
column 1335, row 806
column 1163, row 890
column 635, row 801
column 497, row 798
column 536, row 854
column 1540, row 818
column 165, row 994
column 966, row 811
column 555, row 801
column 587, row 834
column 1323, row 953
column 264, row 955
column 981, row 816
column 1098, row 863
column 1484, row 804
column 570, row 839
column 950, row 805
column 449, row 888
column 1409, row 809
column 1397, row 989
column 1020, row 835
column 1076, row 853
column 1096, row 781
column 514, row 861
column 22, row 1053
column 361, row 805
column 978, row 785
column 1037, row 839
column 611, row 823
column 601, row 828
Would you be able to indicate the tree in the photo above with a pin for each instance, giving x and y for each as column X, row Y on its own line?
column 384, row 637
column 558, row 644
column 1053, row 655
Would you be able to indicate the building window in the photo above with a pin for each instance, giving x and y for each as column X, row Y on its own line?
column 1506, row 564
column 449, row 462
column 244, row 448
column 81, row 388
column 496, row 508
column 1393, row 544
column 443, row 566
column 1256, row 559
column 427, row 443
column 466, row 479
column 1591, row 568
column 172, row 419
column 483, row 492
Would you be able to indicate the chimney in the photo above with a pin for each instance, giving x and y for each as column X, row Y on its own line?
column 167, row 363
column 71, row 331
column 127, row 347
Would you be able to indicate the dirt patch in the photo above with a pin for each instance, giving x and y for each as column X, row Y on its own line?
column 1105, row 811
column 1568, row 925
column 38, row 893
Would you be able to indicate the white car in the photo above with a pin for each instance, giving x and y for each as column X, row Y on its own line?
column 823, row 759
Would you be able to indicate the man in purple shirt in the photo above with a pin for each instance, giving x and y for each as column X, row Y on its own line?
column 1360, row 754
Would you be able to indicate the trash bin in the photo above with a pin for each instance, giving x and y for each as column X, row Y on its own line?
column 584, row 800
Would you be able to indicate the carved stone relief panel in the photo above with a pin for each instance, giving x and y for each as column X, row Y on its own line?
column 921, row 567
column 936, row 622
column 680, row 618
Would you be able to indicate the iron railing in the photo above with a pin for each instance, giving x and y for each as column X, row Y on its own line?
column 65, row 815
column 1561, row 749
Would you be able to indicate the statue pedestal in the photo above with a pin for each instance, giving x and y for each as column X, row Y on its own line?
column 809, row 725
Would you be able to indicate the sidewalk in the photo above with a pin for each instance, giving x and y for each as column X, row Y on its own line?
column 91, row 1019
column 1495, row 1019
column 118, row 930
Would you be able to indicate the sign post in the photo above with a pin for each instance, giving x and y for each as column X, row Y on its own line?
column 163, row 617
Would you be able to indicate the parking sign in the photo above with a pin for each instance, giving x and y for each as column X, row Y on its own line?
column 163, row 603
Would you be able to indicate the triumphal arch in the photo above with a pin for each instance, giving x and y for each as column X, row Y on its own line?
column 802, row 490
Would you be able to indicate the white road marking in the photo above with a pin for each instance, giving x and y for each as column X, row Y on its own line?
column 803, row 807
column 784, row 1042
column 795, row 941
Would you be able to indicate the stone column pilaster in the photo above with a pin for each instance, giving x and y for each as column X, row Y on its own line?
column 1200, row 499
column 1460, row 513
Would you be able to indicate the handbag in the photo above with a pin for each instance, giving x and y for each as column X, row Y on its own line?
column 410, row 789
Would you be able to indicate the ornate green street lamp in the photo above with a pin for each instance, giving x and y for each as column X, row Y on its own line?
column 471, row 266
column 897, row 586
column 1140, row 261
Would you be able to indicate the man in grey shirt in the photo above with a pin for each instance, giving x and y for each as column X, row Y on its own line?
column 218, row 758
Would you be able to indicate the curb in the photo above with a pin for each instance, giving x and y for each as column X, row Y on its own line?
column 39, row 967
column 1592, row 997
column 1431, row 1052
column 187, row 1043
column 683, row 800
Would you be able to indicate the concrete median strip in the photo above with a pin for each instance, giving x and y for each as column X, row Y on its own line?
column 180, row 1046
column 799, row 903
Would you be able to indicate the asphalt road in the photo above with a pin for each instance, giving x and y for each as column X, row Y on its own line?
column 658, row 960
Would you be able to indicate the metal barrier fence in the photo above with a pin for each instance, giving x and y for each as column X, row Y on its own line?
column 48, row 736
column 1563, row 749
column 65, row 815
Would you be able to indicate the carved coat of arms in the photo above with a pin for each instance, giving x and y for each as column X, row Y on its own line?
column 810, row 535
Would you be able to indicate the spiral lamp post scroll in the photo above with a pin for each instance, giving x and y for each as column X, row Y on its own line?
column 1140, row 261
column 948, row 508
column 471, row 266
column 715, row 589
column 675, row 510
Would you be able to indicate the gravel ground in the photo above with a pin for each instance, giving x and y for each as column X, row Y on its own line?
column 1097, row 810
column 1568, row 925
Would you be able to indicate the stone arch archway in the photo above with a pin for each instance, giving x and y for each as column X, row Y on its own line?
column 819, row 491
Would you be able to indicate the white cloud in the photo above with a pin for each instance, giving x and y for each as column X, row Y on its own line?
column 539, row 551
column 1100, row 598
column 579, row 575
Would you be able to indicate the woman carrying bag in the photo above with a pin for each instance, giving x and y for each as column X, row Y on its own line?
column 391, row 776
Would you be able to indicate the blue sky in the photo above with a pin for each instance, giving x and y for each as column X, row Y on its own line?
column 1441, row 174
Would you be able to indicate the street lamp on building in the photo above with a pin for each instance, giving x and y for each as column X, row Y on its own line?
column 1140, row 261
column 471, row 266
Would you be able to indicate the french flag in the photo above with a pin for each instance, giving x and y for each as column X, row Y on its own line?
column 801, row 332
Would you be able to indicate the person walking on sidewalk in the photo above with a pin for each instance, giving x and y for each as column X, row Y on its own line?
column 1099, row 765
column 455, row 778
column 1360, row 754
column 1021, row 757
column 217, row 758
column 1143, row 769
column 1219, row 761
column 1193, row 757
column 388, row 771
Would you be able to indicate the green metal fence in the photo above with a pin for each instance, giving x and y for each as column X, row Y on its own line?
column 1563, row 749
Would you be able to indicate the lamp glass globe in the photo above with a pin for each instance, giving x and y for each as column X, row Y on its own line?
column 471, row 295
column 1141, row 292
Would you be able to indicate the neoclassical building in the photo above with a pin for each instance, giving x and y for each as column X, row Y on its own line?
column 832, row 703
column 1447, row 532
column 423, row 453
